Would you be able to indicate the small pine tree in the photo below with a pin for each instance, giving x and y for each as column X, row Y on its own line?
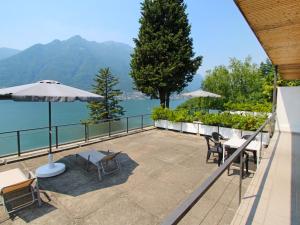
column 163, row 60
column 109, row 108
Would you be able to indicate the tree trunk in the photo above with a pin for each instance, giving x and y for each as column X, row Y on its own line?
column 162, row 98
column 168, row 100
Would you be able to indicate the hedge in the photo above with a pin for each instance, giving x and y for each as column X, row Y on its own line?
column 225, row 119
column 249, row 106
column 203, row 104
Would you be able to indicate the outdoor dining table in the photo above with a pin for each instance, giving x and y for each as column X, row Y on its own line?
column 253, row 146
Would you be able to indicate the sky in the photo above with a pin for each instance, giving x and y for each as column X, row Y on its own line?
column 219, row 31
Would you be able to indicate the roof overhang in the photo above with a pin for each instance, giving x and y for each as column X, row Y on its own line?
column 276, row 24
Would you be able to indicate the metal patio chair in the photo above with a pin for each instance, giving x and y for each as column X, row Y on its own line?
column 245, row 162
column 214, row 147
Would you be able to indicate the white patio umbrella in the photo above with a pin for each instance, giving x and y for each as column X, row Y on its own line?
column 201, row 93
column 48, row 91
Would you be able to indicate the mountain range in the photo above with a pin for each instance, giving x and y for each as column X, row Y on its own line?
column 7, row 52
column 74, row 62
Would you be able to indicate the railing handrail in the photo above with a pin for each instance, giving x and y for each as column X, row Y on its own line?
column 72, row 124
column 195, row 196
column 85, row 125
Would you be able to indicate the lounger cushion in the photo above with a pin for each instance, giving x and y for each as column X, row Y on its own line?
column 11, row 177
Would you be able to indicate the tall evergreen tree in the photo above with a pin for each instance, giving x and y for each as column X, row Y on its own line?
column 162, row 62
column 109, row 108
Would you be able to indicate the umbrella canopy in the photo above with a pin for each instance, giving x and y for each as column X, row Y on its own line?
column 200, row 93
column 47, row 91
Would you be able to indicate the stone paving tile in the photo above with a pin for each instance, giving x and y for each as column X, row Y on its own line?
column 199, row 212
column 157, row 198
column 227, row 217
column 123, row 211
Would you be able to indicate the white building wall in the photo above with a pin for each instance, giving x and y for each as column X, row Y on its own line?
column 288, row 109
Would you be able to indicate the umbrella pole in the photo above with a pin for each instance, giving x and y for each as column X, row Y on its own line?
column 50, row 130
column 50, row 157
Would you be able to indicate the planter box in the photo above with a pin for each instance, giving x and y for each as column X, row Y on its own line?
column 207, row 130
column 161, row 124
column 190, row 128
column 185, row 127
column 230, row 132
column 174, row 126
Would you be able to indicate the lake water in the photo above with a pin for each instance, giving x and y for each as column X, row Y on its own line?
column 27, row 115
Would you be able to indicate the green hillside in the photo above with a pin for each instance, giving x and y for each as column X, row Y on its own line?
column 73, row 62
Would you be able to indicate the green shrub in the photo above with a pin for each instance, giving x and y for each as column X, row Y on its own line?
column 244, row 122
column 249, row 106
column 210, row 119
column 178, row 115
column 203, row 104
column 159, row 113
column 197, row 116
column 182, row 115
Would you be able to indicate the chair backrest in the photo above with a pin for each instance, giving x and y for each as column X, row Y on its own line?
column 110, row 156
column 209, row 141
column 207, row 138
column 17, row 186
column 216, row 136
column 230, row 151
column 246, row 137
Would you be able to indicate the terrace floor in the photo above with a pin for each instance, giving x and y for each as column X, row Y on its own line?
column 159, row 170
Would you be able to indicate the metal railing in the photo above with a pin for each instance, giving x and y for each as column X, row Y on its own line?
column 177, row 215
column 27, row 140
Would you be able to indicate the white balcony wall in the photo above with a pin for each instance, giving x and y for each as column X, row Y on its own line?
column 288, row 109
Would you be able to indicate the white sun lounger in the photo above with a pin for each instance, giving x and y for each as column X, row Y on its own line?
column 100, row 160
column 11, row 183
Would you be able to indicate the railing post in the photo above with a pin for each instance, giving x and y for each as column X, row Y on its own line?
column 127, row 125
column 142, row 122
column 109, row 128
column 271, row 131
column 241, row 176
column 56, row 136
column 272, row 125
column 18, row 143
column 153, row 122
column 85, row 132
column 274, row 103
column 261, row 144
